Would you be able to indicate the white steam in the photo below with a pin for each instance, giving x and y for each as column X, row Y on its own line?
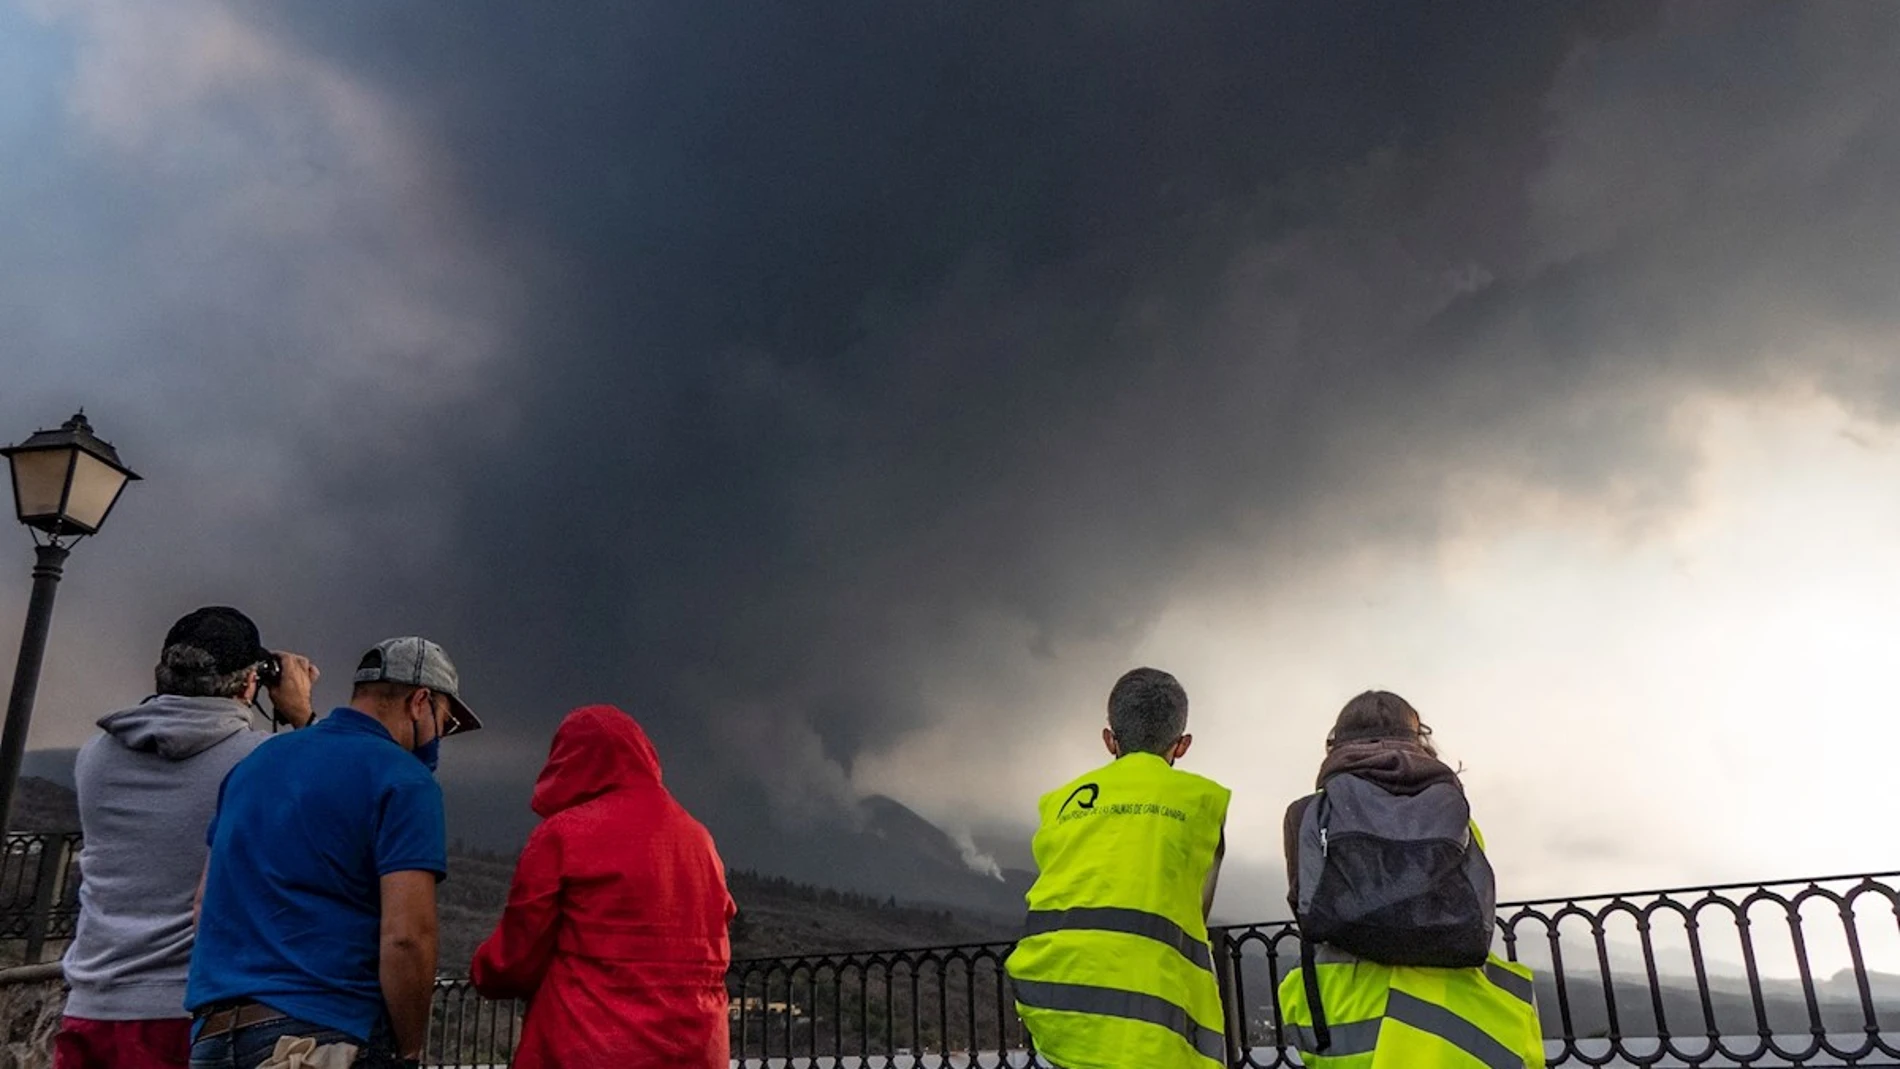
column 979, row 862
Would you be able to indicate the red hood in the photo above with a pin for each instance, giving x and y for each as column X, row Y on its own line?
column 597, row 749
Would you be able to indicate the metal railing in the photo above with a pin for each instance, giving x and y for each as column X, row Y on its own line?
column 1795, row 973
column 1791, row 973
column 469, row 1031
column 1731, row 975
column 39, row 890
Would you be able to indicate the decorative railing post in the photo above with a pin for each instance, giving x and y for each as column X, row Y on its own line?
column 49, row 885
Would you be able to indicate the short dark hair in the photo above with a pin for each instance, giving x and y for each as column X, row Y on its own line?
column 1147, row 711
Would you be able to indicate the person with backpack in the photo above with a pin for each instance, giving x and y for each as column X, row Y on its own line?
column 1396, row 903
column 1114, row 970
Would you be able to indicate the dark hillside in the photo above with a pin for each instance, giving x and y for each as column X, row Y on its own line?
column 777, row 917
column 42, row 805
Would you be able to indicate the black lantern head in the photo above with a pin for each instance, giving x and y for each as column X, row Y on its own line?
column 65, row 482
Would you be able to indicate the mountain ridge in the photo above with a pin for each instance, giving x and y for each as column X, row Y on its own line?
column 780, row 914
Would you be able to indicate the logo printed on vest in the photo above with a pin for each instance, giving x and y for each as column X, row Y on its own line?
column 1086, row 799
column 1094, row 790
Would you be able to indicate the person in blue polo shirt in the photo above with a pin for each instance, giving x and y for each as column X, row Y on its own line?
column 318, row 916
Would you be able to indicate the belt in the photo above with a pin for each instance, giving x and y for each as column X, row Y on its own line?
column 244, row 1015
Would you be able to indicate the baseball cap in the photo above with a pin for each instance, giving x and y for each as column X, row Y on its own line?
column 226, row 634
column 416, row 662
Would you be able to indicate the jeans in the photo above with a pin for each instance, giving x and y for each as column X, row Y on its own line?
column 247, row 1048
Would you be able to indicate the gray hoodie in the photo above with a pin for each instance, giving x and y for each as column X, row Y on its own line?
column 147, row 789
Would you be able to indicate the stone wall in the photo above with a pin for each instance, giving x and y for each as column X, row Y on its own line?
column 31, row 999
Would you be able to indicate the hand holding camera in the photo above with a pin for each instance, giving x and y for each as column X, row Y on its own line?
column 289, row 678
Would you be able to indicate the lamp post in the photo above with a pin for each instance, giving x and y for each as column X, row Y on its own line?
column 64, row 484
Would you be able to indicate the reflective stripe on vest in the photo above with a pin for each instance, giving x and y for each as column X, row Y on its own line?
column 1129, row 1005
column 1513, row 984
column 1488, row 1014
column 1130, row 921
column 1114, row 967
column 1362, row 1037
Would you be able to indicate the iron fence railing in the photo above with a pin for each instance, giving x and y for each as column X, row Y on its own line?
column 39, row 890
column 468, row 1031
column 1795, row 973
column 1792, row 973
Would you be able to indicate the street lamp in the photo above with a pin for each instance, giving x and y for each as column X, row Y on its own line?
column 65, row 482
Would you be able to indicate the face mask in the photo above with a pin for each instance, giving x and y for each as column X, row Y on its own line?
column 429, row 753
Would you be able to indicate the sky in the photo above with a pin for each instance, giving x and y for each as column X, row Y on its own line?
column 852, row 391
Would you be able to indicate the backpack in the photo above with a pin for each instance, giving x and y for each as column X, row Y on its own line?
column 1395, row 879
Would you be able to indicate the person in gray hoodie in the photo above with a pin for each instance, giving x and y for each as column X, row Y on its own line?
column 148, row 786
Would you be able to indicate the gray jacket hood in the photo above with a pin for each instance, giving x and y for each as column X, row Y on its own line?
column 147, row 788
column 177, row 727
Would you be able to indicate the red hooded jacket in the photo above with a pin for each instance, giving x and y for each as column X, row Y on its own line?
column 615, row 930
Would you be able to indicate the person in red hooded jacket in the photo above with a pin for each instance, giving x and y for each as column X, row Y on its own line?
column 615, row 931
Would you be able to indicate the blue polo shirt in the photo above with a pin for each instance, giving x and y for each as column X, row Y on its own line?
column 305, row 829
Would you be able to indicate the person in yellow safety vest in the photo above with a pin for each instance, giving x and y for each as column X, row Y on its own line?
column 1380, row 763
column 1114, row 970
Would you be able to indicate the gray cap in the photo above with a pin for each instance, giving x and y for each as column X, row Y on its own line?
column 415, row 661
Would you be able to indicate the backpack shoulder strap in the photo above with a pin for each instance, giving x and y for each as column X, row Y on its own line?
column 1309, row 978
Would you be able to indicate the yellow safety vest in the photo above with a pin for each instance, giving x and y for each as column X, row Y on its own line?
column 1114, row 970
column 1412, row 1017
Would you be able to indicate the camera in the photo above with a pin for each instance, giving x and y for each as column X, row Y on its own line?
column 270, row 671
